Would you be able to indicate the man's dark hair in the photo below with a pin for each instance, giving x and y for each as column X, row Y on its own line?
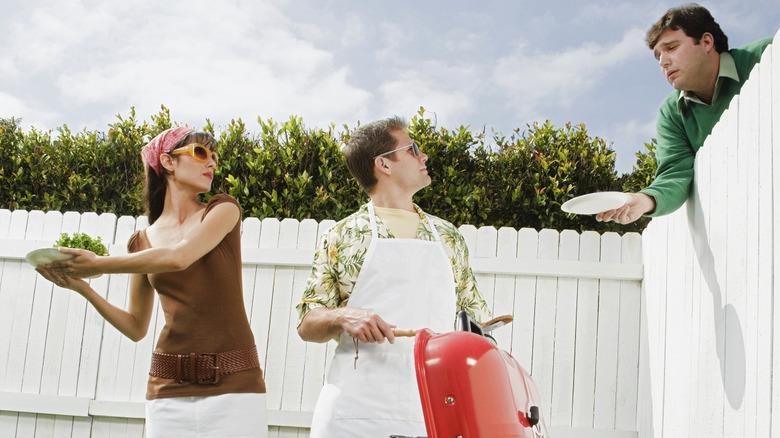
column 694, row 20
column 367, row 142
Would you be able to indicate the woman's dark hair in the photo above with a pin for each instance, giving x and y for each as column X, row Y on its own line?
column 156, row 185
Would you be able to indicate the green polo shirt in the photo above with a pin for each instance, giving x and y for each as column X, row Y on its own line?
column 684, row 122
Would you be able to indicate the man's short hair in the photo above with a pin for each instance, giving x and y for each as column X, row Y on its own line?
column 367, row 142
column 694, row 20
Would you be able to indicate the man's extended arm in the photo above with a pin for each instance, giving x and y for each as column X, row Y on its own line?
column 675, row 158
column 673, row 177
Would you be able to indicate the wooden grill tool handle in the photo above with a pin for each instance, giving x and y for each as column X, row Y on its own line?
column 404, row 333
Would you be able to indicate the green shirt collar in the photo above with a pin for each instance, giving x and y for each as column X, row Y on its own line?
column 726, row 70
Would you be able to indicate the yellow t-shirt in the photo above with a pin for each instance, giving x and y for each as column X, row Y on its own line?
column 403, row 224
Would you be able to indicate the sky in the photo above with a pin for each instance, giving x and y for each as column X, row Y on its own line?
column 493, row 65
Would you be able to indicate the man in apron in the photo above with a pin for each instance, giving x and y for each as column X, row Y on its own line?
column 387, row 265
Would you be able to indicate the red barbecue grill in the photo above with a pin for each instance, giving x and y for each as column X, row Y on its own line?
column 469, row 388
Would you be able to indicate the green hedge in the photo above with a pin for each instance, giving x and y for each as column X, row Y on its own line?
column 289, row 170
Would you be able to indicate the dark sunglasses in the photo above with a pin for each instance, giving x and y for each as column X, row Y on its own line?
column 415, row 150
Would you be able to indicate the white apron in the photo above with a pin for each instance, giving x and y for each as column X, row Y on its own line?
column 408, row 283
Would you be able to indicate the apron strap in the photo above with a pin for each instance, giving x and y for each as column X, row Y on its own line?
column 434, row 231
column 372, row 218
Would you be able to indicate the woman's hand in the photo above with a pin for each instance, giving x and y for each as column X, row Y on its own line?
column 83, row 264
column 62, row 280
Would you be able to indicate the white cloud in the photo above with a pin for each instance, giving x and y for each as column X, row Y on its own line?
column 405, row 95
column 12, row 106
column 202, row 59
column 41, row 38
column 533, row 79
column 8, row 68
column 353, row 31
column 643, row 14
column 448, row 88
column 628, row 137
column 393, row 38
column 743, row 19
column 459, row 42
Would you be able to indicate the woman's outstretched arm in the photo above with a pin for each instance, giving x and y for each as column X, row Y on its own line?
column 203, row 238
column 133, row 322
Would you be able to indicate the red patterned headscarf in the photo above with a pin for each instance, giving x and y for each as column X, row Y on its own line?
column 162, row 144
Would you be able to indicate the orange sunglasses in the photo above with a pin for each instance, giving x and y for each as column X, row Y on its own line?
column 197, row 151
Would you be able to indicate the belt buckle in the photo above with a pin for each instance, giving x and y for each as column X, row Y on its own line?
column 215, row 368
column 180, row 369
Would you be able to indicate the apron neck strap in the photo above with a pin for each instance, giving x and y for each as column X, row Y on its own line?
column 434, row 231
column 374, row 233
column 372, row 218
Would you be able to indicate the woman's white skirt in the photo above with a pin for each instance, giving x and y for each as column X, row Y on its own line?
column 223, row 416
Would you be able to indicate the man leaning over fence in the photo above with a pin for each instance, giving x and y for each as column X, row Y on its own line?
column 694, row 56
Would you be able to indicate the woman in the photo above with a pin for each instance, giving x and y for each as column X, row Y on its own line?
column 205, row 379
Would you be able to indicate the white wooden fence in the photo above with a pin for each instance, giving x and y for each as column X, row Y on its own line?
column 64, row 372
column 711, row 350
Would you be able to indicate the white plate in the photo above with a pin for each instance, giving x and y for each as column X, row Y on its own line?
column 593, row 203
column 43, row 256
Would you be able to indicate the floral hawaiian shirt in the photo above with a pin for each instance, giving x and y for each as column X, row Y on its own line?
column 341, row 252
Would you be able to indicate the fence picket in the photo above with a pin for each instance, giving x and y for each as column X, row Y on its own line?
column 607, row 344
column 21, row 309
column 648, row 414
column 294, row 362
column 677, row 323
column 544, row 326
column 749, row 149
column 628, row 338
column 775, row 48
column 250, row 238
column 279, row 324
column 20, row 301
column 525, row 301
column 765, row 249
column 587, row 325
column 261, row 301
column 13, row 272
column 5, row 222
column 486, row 244
column 734, row 297
column 503, row 299
column 565, row 329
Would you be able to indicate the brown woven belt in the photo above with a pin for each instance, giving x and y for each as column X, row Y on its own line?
column 202, row 368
